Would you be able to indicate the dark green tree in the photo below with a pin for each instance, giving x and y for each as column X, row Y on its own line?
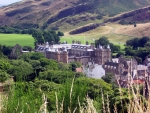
column 6, row 50
column 27, row 48
column 38, row 36
column 60, row 33
column 103, row 41
column 143, row 41
column 133, row 43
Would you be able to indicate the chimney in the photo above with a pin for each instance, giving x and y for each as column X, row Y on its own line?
column 52, row 43
column 87, row 43
column 92, row 46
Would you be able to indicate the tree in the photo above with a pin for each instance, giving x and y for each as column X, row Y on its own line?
column 143, row 41
column 38, row 36
column 48, row 36
column 20, row 70
column 31, row 56
column 74, row 65
column 49, row 64
column 114, row 48
column 133, row 42
column 60, row 33
column 27, row 48
column 120, row 53
column 109, row 78
column 3, row 76
column 103, row 41
column 6, row 50
column 36, row 56
column 135, row 24
column 63, row 66
column 147, row 45
column 4, row 65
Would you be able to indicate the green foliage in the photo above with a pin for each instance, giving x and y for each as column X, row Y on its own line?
column 22, row 98
column 72, row 94
column 63, row 66
column 120, row 53
column 20, row 69
column 120, row 99
column 74, row 65
column 94, row 86
column 38, row 37
column 3, row 76
column 56, row 76
column 60, row 33
column 35, row 64
column 136, row 42
column 27, row 48
column 114, row 48
column 6, row 50
column 139, row 54
column 50, row 36
column 108, row 78
column 31, row 56
column 49, row 64
column 103, row 41
column 4, row 65
column 36, row 55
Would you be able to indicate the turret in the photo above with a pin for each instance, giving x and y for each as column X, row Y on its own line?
column 92, row 46
column 100, row 47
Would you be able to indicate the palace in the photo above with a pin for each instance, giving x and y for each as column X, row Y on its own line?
column 75, row 52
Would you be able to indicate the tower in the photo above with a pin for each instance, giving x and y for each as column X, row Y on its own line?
column 65, row 56
column 57, row 55
column 108, row 53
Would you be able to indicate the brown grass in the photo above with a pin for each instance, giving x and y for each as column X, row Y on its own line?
column 139, row 31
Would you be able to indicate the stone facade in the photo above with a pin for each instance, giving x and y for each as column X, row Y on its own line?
column 16, row 52
column 76, row 52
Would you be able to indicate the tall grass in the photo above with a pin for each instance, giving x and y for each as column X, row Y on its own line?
column 22, row 99
column 73, row 98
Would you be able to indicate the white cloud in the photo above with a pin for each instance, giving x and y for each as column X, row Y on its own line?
column 6, row 2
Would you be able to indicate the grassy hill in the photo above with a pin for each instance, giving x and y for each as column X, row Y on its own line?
column 64, row 14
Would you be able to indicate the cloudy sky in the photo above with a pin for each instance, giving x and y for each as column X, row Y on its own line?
column 6, row 2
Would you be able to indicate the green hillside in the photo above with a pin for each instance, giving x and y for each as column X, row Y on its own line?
column 45, row 14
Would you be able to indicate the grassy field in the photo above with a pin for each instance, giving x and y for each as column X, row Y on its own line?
column 13, row 39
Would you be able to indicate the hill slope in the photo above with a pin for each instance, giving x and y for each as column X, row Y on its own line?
column 58, row 13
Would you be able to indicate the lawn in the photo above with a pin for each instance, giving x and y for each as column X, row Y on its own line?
column 13, row 39
column 70, row 38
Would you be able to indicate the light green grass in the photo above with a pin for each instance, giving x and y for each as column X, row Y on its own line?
column 81, row 38
column 13, row 39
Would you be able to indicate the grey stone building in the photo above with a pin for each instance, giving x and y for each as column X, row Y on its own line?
column 75, row 52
